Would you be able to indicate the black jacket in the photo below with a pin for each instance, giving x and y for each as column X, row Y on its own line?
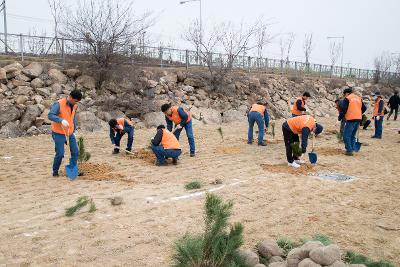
column 394, row 101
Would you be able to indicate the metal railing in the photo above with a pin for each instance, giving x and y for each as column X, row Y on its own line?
column 63, row 49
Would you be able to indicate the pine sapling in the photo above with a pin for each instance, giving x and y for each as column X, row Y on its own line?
column 221, row 133
column 83, row 154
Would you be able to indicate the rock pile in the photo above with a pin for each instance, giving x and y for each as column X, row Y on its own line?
column 310, row 254
column 27, row 93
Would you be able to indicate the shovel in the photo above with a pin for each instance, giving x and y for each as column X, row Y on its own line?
column 357, row 146
column 127, row 151
column 312, row 156
column 70, row 170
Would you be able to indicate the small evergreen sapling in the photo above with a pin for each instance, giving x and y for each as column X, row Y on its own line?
column 83, row 155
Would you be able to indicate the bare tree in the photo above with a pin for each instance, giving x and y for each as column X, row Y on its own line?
column 334, row 52
column 308, row 47
column 289, row 46
column 226, row 36
column 56, row 10
column 37, row 43
column 282, row 47
column 263, row 37
column 107, row 27
column 382, row 64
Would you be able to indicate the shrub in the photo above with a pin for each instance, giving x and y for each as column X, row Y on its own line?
column 193, row 185
column 296, row 149
column 216, row 247
column 353, row 258
column 80, row 203
column 287, row 245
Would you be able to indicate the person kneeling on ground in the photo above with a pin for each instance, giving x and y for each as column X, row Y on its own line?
column 165, row 145
column 63, row 125
column 378, row 115
column 365, row 122
column 181, row 119
column 292, row 128
column 258, row 114
column 118, row 127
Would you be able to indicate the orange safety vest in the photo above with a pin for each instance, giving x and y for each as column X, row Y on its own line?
column 121, row 122
column 354, row 110
column 376, row 108
column 295, row 110
column 175, row 115
column 66, row 114
column 169, row 140
column 258, row 108
column 297, row 124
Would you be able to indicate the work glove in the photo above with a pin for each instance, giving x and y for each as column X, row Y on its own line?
column 65, row 123
column 378, row 118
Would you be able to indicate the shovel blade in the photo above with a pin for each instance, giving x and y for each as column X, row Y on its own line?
column 357, row 146
column 71, row 172
column 312, row 156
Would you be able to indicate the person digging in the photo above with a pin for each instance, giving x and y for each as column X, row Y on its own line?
column 352, row 109
column 62, row 115
column 298, row 108
column 258, row 114
column 165, row 145
column 291, row 129
column 118, row 128
column 181, row 119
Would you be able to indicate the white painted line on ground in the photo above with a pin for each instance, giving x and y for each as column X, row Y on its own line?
column 196, row 194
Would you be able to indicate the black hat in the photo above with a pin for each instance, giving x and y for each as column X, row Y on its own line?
column 348, row 90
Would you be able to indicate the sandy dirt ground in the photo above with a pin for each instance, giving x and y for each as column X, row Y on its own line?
column 362, row 215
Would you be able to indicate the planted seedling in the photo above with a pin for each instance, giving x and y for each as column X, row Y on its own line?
column 221, row 133
column 80, row 203
column 296, row 149
column 193, row 185
column 83, row 154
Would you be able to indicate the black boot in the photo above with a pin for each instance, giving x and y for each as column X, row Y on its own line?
column 115, row 151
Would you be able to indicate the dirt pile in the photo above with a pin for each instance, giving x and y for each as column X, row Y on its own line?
column 98, row 172
column 145, row 155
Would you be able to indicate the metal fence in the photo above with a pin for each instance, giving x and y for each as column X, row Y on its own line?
column 64, row 50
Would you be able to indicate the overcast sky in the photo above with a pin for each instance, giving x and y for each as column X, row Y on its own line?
column 369, row 27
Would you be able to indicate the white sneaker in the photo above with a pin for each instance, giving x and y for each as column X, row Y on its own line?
column 299, row 161
column 294, row 165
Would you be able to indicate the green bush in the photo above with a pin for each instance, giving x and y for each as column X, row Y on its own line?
column 353, row 258
column 83, row 155
column 287, row 245
column 193, row 185
column 217, row 246
column 296, row 149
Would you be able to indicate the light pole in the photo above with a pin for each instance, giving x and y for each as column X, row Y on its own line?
column 3, row 8
column 339, row 37
column 201, row 24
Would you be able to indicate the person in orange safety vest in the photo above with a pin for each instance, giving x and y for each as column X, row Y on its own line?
column 165, row 145
column 299, row 105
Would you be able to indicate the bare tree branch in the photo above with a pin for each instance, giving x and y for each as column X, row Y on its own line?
column 308, row 47
column 334, row 52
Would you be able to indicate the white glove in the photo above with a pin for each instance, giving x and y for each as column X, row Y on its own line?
column 377, row 118
column 65, row 123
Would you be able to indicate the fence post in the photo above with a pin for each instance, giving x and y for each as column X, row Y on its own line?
column 266, row 65
column 63, row 51
column 341, row 71
column 132, row 53
column 187, row 59
column 21, row 46
column 359, row 74
column 248, row 63
column 320, row 70
column 160, row 54
column 367, row 74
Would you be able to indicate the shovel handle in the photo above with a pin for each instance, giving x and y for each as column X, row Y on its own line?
column 124, row 150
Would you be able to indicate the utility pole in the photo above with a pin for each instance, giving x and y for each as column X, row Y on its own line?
column 3, row 8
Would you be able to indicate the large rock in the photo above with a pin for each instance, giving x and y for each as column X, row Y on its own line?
column 86, row 120
column 3, row 76
column 170, row 78
column 29, row 116
column 278, row 264
column 295, row 256
column 209, row 116
column 308, row 263
column 195, row 82
column 233, row 116
column 57, row 76
column 16, row 83
column 151, row 84
column 72, row 73
column 33, row 70
column 21, row 99
column 11, row 130
column 8, row 112
column 326, row 255
column 339, row 264
column 249, row 257
column 269, row 248
column 275, row 259
column 23, row 90
column 43, row 91
column 33, row 131
column 13, row 67
column 153, row 119
column 86, row 81
column 37, row 83
column 310, row 245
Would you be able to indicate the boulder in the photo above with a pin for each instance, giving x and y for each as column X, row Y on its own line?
column 339, row 264
column 170, row 78
column 357, row 265
column 295, row 256
column 233, row 116
column 37, row 83
column 278, row 264
column 56, row 88
column 260, row 265
column 181, row 76
column 308, row 263
column 38, row 99
column 326, row 255
column 29, row 117
column 57, row 76
column 195, row 82
column 310, row 245
column 43, row 91
column 151, row 84
column 72, row 73
column 22, row 77
column 275, row 259
column 13, row 67
column 33, row 70
column 45, row 115
column 209, row 116
column 86, row 81
column 47, row 103
column 39, row 121
column 249, row 257
column 3, row 76
column 188, row 89
column 33, row 131
column 87, row 120
column 8, row 112
column 269, row 248
column 23, row 90
column 21, row 99
column 153, row 119
column 16, row 83
column 11, row 130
